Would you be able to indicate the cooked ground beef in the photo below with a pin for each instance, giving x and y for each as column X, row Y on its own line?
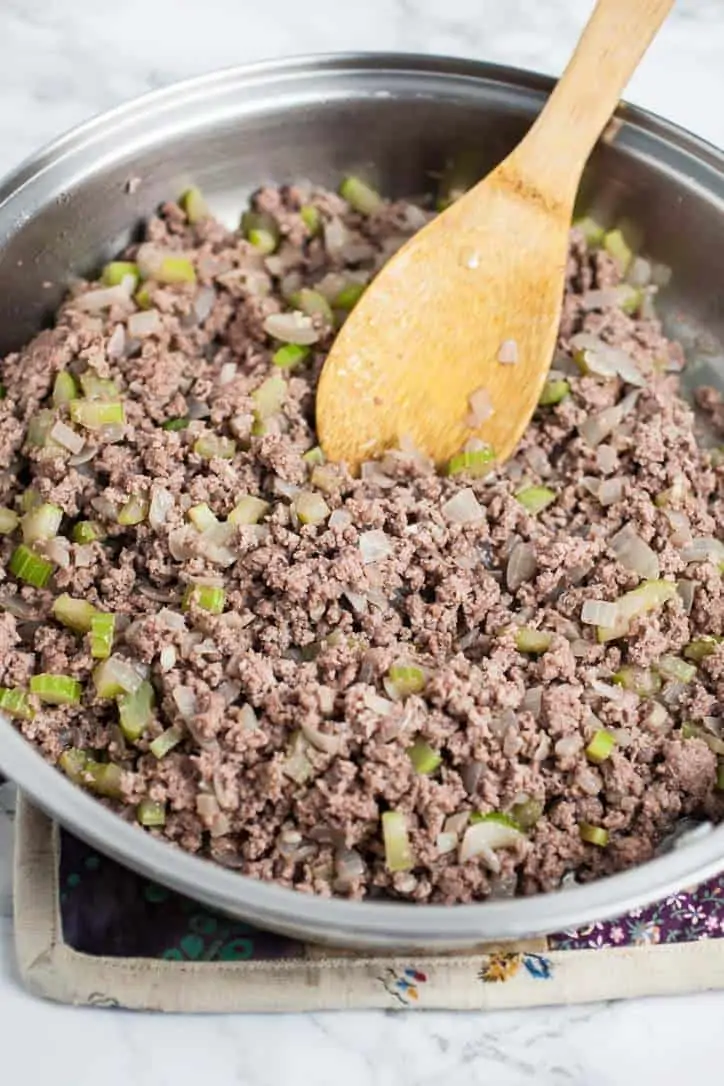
column 360, row 618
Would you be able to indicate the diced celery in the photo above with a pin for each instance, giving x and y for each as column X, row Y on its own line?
column 104, row 778
column 649, row 596
column 39, row 427
column 526, row 814
column 405, row 679
column 151, row 813
column 248, row 510
column 208, row 597
column 641, row 680
column 85, row 531
column 41, row 523
column 702, row 647
column 398, row 849
column 348, row 297
column 102, row 631
column 554, row 391
column 290, row 356
column 175, row 424
column 261, row 229
column 8, row 520
column 30, row 567
column 194, row 205
column 360, row 196
column 212, row 446
column 143, row 298
column 134, row 511
column 135, row 711
column 30, row 499
column 498, row 817
column 314, row 456
column 98, row 388
column 600, row 747
column 118, row 270
column 616, row 246
column 95, row 414
column 593, row 232
column 425, row 759
column 202, row 517
column 325, row 478
column 106, row 682
column 676, row 669
column 311, row 508
column 74, row 613
column 474, row 462
column 535, row 498
column 269, row 396
column 176, row 269
column 64, row 388
column 313, row 304
column 311, row 218
column 593, row 835
column 165, row 742
column 16, row 703
column 56, row 689
column 532, row 641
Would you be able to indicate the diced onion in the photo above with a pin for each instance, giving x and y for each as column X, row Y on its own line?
column 483, row 838
column 703, row 549
column 105, row 297
column 161, row 504
column 146, row 322
column 67, row 437
column 521, row 566
column 481, row 407
column 610, row 491
column 463, row 508
column 599, row 613
column 635, row 554
column 292, row 328
column 508, row 352
column 374, row 546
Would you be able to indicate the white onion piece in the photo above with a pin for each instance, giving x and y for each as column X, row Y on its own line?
column 357, row 601
column 372, row 472
column 484, row 837
column 521, row 566
column 704, row 549
column 568, row 745
column 123, row 673
column 634, row 554
column 532, row 701
column 67, row 437
column 96, row 300
column 377, row 704
column 597, row 427
column 328, row 744
column 248, row 718
column 348, row 867
column 639, row 272
column 160, row 506
column 150, row 258
column 607, row 691
column 147, row 322
column 185, row 702
column 508, row 352
column 463, row 508
column 374, row 546
column 227, row 373
column 446, row 842
column 293, row 327
column 591, row 483
column 599, row 613
column 336, row 236
column 167, row 658
column 58, row 551
column 481, row 407
column 687, row 591
column 172, row 620
column 606, row 459
column 340, row 518
column 204, row 303
column 116, row 345
column 610, row 491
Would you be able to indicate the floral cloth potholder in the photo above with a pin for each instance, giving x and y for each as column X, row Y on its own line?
column 90, row 931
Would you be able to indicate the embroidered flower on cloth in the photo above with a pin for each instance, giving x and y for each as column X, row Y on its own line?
column 500, row 967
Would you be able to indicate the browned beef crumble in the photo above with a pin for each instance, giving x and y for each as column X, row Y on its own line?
column 309, row 630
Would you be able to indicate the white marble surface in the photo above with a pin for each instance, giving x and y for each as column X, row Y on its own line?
column 63, row 60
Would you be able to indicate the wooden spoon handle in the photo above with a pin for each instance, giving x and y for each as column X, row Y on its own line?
column 556, row 148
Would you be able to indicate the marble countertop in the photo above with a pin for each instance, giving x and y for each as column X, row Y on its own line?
column 61, row 62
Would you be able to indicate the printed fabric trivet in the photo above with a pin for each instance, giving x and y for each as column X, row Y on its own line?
column 88, row 931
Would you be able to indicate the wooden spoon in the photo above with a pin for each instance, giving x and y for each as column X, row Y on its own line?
column 427, row 333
